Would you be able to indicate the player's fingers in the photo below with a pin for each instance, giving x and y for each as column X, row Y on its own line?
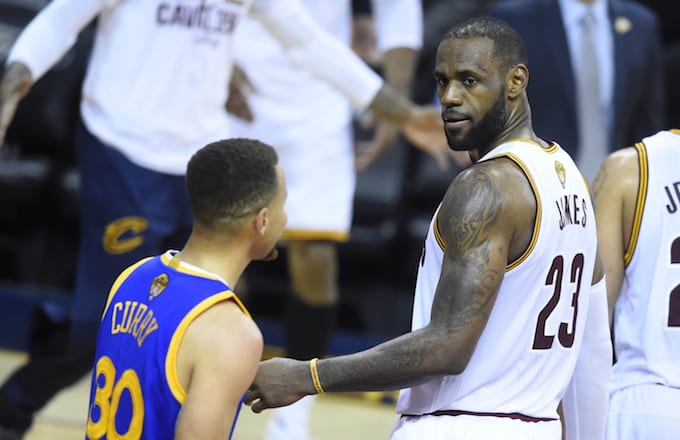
column 258, row 406
column 251, row 395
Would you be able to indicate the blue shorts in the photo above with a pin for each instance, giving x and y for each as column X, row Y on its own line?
column 127, row 212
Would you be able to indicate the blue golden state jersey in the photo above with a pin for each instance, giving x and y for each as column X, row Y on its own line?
column 135, row 391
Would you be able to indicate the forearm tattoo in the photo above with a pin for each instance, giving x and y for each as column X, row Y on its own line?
column 471, row 275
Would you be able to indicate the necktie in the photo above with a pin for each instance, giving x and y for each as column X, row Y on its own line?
column 592, row 146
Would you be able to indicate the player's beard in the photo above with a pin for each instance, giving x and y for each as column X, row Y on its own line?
column 485, row 132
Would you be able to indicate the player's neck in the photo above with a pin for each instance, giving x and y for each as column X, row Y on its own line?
column 228, row 260
column 517, row 126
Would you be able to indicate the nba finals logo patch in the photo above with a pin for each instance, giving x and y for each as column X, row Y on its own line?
column 158, row 285
column 561, row 173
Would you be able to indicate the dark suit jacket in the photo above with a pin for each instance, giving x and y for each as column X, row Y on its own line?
column 639, row 91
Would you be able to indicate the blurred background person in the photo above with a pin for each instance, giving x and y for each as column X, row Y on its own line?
column 637, row 196
column 589, row 58
column 311, row 126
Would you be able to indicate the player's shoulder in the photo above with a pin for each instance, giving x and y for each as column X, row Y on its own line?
column 486, row 186
column 218, row 336
column 499, row 173
column 222, row 322
column 480, row 174
column 227, row 315
column 620, row 161
column 618, row 174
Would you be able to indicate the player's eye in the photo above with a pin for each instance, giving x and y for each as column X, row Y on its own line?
column 470, row 81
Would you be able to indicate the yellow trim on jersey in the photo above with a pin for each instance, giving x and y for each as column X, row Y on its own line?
column 437, row 234
column 240, row 305
column 171, row 375
column 539, row 210
column 551, row 149
column 122, row 277
column 304, row 234
column 174, row 263
column 585, row 182
column 639, row 202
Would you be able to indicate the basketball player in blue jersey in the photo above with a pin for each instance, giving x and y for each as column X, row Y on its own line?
column 506, row 276
column 176, row 348
column 637, row 194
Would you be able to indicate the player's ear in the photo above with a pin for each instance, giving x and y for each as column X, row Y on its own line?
column 517, row 80
column 261, row 221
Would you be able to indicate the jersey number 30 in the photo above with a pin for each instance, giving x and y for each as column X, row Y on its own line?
column 554, row 279
column 106, row 400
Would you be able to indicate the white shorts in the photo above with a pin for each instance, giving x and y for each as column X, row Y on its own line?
column 320, row 176
column 470, row 427
column 644, row 412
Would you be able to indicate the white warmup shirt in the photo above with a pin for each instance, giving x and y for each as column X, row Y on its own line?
column 158, row 76
column 527, row 352
column 308, row 120
column 398, row 24
column 647, row 313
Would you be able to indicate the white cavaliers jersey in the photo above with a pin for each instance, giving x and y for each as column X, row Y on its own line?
column 647, row 313
column 140, row 48
column 527, row 352
column 158, row 76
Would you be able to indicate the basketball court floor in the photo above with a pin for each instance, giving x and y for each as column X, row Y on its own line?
column 334, row 417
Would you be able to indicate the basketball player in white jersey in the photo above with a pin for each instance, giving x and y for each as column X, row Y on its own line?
column 283, row 101
column 505, row 278
column 154, row 93
column 637, row 194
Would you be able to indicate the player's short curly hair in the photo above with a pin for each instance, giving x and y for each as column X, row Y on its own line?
column 508, row 45
column 230, row 179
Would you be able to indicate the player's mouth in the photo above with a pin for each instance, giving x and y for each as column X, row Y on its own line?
column 454, row 120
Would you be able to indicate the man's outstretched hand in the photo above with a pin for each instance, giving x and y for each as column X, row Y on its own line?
column 279, row 382
column 425, row 130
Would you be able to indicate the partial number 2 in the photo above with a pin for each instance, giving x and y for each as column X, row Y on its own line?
column 674, row 300
column 107, row 398
column 554, row 279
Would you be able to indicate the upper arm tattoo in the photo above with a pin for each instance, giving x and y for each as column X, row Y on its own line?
column 473, row 265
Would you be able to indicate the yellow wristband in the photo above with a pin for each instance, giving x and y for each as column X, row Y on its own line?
column 315, row 376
